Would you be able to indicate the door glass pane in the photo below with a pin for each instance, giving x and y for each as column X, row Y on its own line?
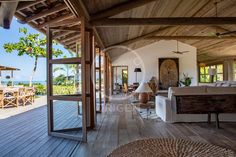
column 67, row 117
column 202, row 78
column 202, row 70
column 219, row 77
column 66, row 79
column 207, row 70
column 220, row 68
column 207, row 78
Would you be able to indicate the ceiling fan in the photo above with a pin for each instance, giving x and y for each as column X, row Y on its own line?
column 177, row 49
column 216, row 33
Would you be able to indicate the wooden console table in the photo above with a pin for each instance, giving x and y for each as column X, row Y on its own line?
column 206, row 104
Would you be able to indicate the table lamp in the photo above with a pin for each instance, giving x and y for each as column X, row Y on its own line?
column 143, row 91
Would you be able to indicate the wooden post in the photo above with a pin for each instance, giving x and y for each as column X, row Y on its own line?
column 12, row 81
column 0, row 77
column 110, row 77
column 49, row 81
column 83, row 73
column 91, row 71
column 105, row 77
column 217, row 120
column 100, row 81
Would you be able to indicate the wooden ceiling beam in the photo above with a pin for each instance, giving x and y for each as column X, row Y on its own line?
column 173, row 21
column 119, row 9
column 136, row 39
column 72, row 41
column 46, row 13
column 78, row 9
column 25, row 5
column 55, row 20
column 71, row 46
column 7, row 11
column 218, row 59
column 71, row 29
column 61, row 34
column 15, row 0
column 71, row 37
column 190, row 38
column 72, row 21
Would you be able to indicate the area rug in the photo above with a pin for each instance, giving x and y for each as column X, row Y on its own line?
column 170, row 148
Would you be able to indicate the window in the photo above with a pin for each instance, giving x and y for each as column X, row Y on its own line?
column 205, row 77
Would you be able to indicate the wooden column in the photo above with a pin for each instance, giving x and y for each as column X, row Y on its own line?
column 84, row 81
column 110, row 77
column 100, row 79
column 106, row 78
column 92, row 78
column 49, row 81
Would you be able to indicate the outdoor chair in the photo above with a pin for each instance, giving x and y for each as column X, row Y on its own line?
column 29, row 95
column 9, row 99
column 22, row 96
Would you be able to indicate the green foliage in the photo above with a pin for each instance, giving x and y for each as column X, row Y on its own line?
column 40, row 89
column 69, row 70
column 30, row 44
column 9, row 83
column 23, row 84
column 60, row 80
column 186, row 81
column 64, row 90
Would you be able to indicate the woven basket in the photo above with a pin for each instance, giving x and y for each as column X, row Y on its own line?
column 170, row 148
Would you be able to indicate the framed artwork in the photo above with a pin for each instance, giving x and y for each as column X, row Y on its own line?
column 168, row 73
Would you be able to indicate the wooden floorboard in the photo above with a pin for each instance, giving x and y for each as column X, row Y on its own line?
column 118, row 127
column 26, row 134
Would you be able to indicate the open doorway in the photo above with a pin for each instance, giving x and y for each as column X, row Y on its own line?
column 120, row 78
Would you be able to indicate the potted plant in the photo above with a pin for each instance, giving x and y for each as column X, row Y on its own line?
column 186, row 81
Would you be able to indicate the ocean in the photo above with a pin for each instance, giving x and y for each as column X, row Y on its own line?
column 25, row 82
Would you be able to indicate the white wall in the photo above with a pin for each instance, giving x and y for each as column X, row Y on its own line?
column 147, row 59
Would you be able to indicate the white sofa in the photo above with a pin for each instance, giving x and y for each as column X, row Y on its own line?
column 225, row 84
column 166, row 106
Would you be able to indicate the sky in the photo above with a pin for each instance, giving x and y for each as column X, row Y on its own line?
column 24, row 63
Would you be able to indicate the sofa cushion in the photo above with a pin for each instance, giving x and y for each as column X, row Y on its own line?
column 193, row 90
column 221, row 90
column 225, row 85
column 218, row 84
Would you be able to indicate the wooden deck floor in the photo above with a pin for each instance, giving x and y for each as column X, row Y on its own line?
column 26, row 134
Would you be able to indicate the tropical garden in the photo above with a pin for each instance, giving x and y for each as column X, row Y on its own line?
column 34, row 45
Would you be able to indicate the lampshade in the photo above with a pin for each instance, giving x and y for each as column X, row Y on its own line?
column 212, row 71
column 137, row 70
column 202, row 64
column 143, row 88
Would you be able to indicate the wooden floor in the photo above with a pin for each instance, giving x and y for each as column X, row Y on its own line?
column 26, row 133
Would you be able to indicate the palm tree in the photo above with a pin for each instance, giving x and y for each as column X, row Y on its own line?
column 69, row 69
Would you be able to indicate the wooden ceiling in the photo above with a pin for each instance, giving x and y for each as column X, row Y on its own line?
column 207, row 49
column 41, row 13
